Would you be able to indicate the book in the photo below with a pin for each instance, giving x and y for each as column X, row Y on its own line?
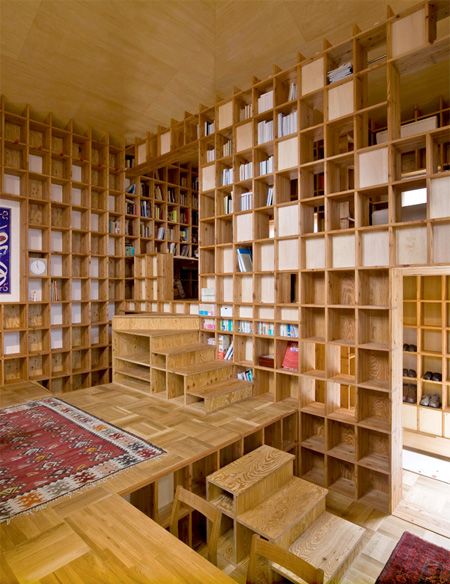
column 290, row 359
column 245, row 261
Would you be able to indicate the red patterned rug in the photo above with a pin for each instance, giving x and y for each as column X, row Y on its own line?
column 416, row 561
column 49, row 448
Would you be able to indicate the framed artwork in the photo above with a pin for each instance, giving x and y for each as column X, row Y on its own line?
column 9, row 251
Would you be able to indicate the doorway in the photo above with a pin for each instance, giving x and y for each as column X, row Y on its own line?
column 421, row 392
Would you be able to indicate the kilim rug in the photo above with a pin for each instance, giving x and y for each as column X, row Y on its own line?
column 416, row 561
column 49, row 448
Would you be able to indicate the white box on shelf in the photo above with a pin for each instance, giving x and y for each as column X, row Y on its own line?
column 35, row 239
column 375, row 248
column 56, row 241
column 373, row 167
column 76, row 196
column 11, row 184
column 56, row 193
column 343, row 251
column 56, row 338
column 35, row 163
column 76, row 312
column 411, row 245
column 315, row 253
column 56, row 265
column 11, row 343
column 76, row 172
column 56, row 314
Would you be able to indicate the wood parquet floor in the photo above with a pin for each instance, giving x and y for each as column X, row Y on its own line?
column 187, row 436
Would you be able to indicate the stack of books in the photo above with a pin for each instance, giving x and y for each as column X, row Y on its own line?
column 341, row 72
column 246, row 201
column 245, row 112
column 227, row 176
column 265, row 131
column 246, row 171
column 266, row 166
column 265, row 101
column 287, row 124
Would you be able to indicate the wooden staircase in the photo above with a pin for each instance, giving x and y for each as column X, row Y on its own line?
column 205, row 383
column 261, row 495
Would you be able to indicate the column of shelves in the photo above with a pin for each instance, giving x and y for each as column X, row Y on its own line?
column 60, row 176
column 425, row 355
column 348, row 203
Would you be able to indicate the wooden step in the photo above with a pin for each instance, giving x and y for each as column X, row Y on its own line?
column 286, row 514
column 219, row 395
column 189, row 355
column 331, row 543
column 202, row 374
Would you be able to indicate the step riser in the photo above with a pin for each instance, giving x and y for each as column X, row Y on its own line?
column 175, row 340
column 307, row 520
column 196, row 380
column 214, row 403
column 191, row 358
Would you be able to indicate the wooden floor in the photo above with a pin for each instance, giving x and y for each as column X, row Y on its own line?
column 187, row 436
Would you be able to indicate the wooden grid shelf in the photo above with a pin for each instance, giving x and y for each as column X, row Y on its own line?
column 86, row 221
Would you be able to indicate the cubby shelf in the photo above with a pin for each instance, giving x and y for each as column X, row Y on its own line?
column 426, row 348
column 86, row 221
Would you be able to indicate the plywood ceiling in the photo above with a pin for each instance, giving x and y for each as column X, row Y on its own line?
column 127, row 66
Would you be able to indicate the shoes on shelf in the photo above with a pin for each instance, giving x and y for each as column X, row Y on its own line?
column 425, row 401
column 410, row 348
column 428, row 375
column 412, row 373
column 435, row 401
column 405, row 392
column 436, row 376
column 411, row 397
column 405, row 372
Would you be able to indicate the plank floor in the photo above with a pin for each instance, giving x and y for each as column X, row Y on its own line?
column 188, row 436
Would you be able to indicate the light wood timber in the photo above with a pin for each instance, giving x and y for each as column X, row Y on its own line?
column 287, row 513
column 279, row 557
column 214, row 516
column 330, row 544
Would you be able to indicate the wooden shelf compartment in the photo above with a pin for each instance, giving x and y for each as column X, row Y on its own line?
column 373, row 369
column 341, row 477
column 313, row 393
column 373, row 488
column 374, row 410
column 342, row 326
column 341, row 363
column 373, row 287
column 312, row 466
column 313, row 324
column 373, row 450
column 313, row 288
column 373, row 328
column 312, row 359
column 342, row 440
column 312, row 432
column 341, row 402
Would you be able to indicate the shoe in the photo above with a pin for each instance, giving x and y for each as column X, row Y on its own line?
column 428, row 375
column 405, row 392
column 412, row 348
column 436, row 377
column 411, row 398
column 412, row 373
column 405, row 372
column 406, row 347
column 435, row 401
column 425, row 401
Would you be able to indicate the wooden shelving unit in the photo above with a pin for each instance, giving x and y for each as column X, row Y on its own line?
column 86, row 221
column 426, row 336
column 328, row 186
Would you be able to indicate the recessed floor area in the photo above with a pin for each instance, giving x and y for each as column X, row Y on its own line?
column 186, row 436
